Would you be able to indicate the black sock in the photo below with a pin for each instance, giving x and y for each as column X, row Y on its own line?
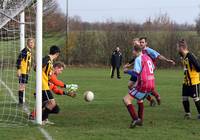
column 186, row 105
column 21, row 94
column 197, row 103
column 55, row 110
column 45, row 113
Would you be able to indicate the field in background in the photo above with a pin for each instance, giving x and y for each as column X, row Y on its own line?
column 107, row 118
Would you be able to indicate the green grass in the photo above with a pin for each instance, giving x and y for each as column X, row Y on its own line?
column 106, row 118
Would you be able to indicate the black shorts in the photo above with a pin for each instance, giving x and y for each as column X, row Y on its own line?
column 133, row 79
column 46, row 95
column 191, row 91
column 23, row 79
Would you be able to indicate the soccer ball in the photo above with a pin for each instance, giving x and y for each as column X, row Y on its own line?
column 88, row 96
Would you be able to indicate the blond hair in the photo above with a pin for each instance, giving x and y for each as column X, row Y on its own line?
column 59, row 64
column 30, row 39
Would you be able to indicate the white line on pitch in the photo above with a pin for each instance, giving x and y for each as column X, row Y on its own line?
column 42, row 130
column 45, row 133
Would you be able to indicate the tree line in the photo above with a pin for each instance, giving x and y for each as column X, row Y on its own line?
column 92, row 43
column 89, row 43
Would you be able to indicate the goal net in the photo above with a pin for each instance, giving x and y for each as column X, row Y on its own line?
column 11, row 38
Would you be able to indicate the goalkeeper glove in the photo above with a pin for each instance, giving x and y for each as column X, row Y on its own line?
column 71, row 87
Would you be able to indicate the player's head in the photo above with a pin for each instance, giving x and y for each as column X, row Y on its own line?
column 54, row 51
column 136, row 42
column 137, row 50
column 58, row 67
column 30, row 43
column 143, row 42
column 182, row 47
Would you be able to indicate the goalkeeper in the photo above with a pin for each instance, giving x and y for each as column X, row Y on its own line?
column 54, row 83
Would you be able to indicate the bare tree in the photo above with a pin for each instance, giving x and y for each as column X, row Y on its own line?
column 198, row 25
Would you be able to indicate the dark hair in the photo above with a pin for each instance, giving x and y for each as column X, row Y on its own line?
column 182, row 43
column 59, row 64
column 54, row 49
column 137, row 48
column 143, row 38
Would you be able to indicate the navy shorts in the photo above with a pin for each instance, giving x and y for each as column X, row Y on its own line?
column 23, row 79
column 133, row 79
column 46, row 95
column 191, row 91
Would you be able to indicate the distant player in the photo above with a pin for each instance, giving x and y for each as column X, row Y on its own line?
column 191, row 83
column 143, row 71
column 23, row 67
column 54, row 84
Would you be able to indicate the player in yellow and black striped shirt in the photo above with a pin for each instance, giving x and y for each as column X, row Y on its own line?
column 49, row 104
column 23, row 67
column 191, row 83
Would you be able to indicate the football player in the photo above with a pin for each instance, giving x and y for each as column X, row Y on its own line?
column 191, row 82
column 143, row 71
column 23, row 67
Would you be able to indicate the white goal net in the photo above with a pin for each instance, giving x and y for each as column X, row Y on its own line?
column 11, row 113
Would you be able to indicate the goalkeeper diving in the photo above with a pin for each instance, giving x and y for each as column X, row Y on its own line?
column 54, row 83
column 57, row 86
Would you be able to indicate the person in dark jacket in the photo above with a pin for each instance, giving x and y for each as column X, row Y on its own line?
column 116, row 61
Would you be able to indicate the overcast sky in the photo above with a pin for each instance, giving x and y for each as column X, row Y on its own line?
column 181, row 11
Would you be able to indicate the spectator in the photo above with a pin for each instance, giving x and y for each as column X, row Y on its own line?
column 116, row 61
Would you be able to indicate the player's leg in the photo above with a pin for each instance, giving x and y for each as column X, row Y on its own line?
column 128, row 102
column 196, row 98
column 185, row 102
column 131, row 109
column 23, row 80
column 112, row 71
column 21, row 92
column 48, row 104
column 55, row 110
column 152, row 102
column 140, row 109
column 157, row 96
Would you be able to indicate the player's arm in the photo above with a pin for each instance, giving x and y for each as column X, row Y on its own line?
column 120, row 59
column 18, row 65
column 156, row 55
column 136, row 69
column 193, row 60
column 129, row 64
column 131, row 61
column 112, row 59
column 58, row 91
column 22, row 55
column 162, row 58
column 54, row 80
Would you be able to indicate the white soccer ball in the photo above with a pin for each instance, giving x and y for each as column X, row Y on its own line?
column 88, row 96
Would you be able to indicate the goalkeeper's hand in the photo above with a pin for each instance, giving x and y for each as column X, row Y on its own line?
column 71, row 87
column 71, row 94
column 71, row 90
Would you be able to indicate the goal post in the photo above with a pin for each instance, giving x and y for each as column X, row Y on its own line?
column 19, row 20
column 39, row 34
column 22, row 38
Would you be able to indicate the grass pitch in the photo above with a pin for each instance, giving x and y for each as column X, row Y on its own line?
column 106, row 118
